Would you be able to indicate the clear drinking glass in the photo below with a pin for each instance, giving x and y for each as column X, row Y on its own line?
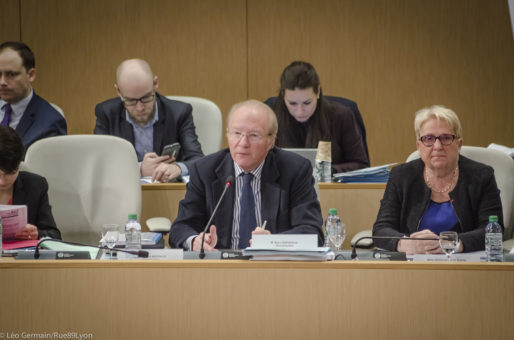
column 110, row 234
column 449, row 242
column 336, row 236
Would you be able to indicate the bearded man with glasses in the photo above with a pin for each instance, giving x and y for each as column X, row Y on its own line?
column 441, row 191
column 149, row 121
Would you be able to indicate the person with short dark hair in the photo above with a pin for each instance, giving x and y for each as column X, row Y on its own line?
column 21, row 108
column 305, row 117
column 24, row 188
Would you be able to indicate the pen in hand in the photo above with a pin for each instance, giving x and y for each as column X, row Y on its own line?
column 264, row 225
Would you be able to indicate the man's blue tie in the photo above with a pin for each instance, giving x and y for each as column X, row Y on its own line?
column 247, row 220
column 7, row 115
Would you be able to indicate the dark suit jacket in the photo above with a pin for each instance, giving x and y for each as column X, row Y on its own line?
column 32, row 190
column 40, row 120
column 474, row 198
column 175, row 124
column 289, row 201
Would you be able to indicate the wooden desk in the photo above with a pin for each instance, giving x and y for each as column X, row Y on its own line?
column 357, row 204
column 258, row 300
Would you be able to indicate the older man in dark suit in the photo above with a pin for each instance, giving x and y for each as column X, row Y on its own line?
column 21, row 108
column 271, row 185
column 149, row 121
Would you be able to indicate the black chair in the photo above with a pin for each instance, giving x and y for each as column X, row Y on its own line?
column 350, row 103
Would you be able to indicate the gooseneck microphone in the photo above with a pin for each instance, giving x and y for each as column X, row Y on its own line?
column 228, row 183
column 354, row 251
column 139, row 253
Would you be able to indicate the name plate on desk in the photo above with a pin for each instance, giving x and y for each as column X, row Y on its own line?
column 54, row 255
column 289, row 242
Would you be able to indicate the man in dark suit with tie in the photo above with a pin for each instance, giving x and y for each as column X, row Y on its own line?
column 21, row 108
column 149, row 121
column 271, row 185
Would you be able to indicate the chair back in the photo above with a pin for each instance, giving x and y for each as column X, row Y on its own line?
column 208, row 122
column 55, row 106
column 503, row 166
column 93, row 180
column 350, row 103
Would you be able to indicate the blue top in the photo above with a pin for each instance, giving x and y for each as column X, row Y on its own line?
column 438, row 217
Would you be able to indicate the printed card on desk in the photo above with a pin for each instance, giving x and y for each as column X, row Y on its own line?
column 287, row 242
column 14, row 219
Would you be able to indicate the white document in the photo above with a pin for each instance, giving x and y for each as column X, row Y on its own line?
column 285, row 242
column 14, row 218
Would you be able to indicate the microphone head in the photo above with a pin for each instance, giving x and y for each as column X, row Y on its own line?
column 230, row 180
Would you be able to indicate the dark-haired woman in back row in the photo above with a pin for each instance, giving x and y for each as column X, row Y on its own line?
column 305, row 118
column 24, row 188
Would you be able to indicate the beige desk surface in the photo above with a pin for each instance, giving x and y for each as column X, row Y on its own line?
column 258, row 300
column 357, row 204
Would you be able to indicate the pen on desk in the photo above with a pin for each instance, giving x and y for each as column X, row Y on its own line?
column 264, row 224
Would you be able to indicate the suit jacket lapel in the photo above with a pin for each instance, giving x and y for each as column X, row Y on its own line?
column 225, row 215
column 126, row 129
column 19, row 197
column 270, row 193
column 28, row 118
column 158, row 128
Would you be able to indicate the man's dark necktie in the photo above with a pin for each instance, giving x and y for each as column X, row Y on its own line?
column 7, row 115
column 247, row 220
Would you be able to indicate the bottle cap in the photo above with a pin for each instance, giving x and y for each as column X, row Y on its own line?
column 132, row 216
column 332, row 211
column 493, row 218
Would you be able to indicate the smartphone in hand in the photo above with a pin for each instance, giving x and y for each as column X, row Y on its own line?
column 171, row 150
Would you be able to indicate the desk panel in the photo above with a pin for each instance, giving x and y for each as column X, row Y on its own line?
column 258, row 300
column 357, row 204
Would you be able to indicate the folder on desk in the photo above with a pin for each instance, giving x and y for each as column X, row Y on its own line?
column 376, row 174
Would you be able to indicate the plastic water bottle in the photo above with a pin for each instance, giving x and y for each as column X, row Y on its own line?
column 133, row 233
column 323, row 171
column 332, row 226
column 493, row 240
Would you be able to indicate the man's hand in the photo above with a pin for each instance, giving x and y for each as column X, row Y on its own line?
column 166, row 172
column 211, row 239
column 259, row 231
column 151, row 161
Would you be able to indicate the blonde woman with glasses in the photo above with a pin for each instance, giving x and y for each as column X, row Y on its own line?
column 441, row 191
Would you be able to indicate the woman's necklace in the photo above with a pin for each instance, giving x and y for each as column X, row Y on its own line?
column 445, row 189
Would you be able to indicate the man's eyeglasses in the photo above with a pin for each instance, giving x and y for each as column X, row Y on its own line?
column 253, row 137
column 445, row 139
column 145, row 99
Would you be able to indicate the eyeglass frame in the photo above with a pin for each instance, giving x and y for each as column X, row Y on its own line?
column 256, row 138
column 453, row 137
column 143, row 99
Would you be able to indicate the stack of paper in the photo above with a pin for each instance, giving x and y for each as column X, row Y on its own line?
column 377, row 174
column 147, row 239
column 320, row 254
column 287, row 247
